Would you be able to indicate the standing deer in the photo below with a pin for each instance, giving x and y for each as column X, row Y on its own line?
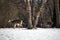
column 16, row 23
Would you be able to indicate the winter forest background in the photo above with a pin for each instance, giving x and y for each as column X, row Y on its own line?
column 29, row 13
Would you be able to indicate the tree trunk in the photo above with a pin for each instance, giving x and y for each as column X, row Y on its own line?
column 38, row 14
column 57, row 12
column 28, row 8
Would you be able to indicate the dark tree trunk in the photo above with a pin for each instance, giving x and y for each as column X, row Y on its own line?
column 57, row 12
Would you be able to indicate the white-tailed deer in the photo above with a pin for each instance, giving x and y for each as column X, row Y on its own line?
column 16, row 23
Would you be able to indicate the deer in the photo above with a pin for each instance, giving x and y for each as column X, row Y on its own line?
column 16, row 23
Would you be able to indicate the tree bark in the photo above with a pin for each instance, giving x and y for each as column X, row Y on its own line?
column 38, row 14
column 28, row 8
column 57, row 12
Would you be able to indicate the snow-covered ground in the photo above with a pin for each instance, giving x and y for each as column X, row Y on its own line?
column 31, row 34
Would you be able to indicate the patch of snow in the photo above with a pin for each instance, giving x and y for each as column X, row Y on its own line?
column 29, row 34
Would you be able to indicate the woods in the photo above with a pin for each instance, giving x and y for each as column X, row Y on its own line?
column 33, row 13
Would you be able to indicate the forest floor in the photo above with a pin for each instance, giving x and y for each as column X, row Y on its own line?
column 29, row 34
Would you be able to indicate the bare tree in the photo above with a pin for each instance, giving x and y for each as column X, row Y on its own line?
column 38, row 14
column 45, row 12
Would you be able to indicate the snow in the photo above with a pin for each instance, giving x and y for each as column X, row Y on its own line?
column 29, row 34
